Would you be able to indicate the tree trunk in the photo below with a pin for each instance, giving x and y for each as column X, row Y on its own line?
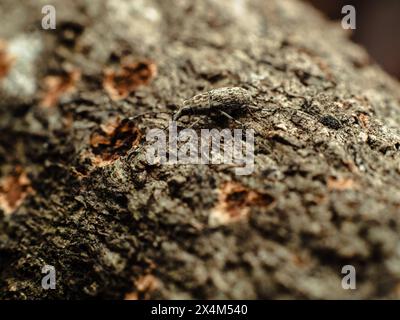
column 77, row 193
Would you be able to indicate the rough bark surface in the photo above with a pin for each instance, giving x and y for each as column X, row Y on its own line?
column 76, row 193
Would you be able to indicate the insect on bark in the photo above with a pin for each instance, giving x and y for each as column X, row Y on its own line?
column 222, row 100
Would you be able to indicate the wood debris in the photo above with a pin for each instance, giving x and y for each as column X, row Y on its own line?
column 14, row 188
column 114, row 139
column 59, row 86
column 340, row 183
column 6, row 60
column 144, row 285
column 120, row 83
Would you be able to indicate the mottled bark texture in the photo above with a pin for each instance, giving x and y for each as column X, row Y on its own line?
column 77, row 194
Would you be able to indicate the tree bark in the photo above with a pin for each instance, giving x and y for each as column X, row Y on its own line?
column 76, row 192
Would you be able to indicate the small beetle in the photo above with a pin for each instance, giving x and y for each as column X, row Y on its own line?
column 217, row 100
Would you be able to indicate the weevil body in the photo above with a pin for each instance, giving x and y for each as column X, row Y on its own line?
column 217, row 100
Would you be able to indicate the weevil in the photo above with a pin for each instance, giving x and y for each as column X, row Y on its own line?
column 222, row 100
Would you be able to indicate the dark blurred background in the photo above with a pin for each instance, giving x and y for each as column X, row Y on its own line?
column 378, row 28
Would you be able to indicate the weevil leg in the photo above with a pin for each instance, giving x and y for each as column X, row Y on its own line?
column 147, row 113
column 230, row 117
column 194, row 123
column 250, row 108
column 177, row 114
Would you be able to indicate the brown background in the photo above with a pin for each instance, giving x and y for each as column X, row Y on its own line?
column 378, row 25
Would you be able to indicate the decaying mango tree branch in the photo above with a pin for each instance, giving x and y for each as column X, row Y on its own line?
column 76, row 192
